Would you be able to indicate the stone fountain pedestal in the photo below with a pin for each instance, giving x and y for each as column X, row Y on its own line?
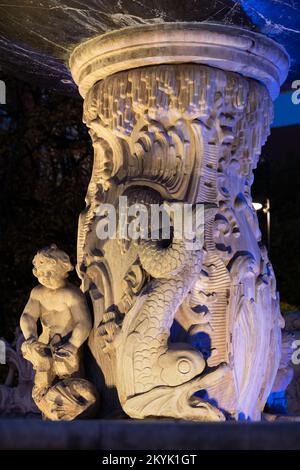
column 178, row 112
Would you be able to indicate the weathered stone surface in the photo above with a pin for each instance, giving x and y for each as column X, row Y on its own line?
column 185, row 133
column 225, row 47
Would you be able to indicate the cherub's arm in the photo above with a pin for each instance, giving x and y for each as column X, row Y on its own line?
column 81, row 318
column 30, row 316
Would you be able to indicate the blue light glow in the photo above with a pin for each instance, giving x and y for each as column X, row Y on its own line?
column 286, row 113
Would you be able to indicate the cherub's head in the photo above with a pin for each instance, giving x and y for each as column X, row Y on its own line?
column 51, row 267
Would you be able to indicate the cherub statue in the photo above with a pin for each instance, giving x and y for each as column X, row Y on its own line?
column 58, row 391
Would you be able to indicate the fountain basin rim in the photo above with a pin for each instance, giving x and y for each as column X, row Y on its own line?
column 229, row 48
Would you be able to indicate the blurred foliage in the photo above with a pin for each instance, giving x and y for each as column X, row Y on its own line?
column 287, row 308
column 45, row 167
column 279, row 180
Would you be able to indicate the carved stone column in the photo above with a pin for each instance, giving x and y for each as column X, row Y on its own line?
column 179, row 112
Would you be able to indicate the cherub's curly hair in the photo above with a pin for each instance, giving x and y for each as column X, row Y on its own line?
column 53, row 256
